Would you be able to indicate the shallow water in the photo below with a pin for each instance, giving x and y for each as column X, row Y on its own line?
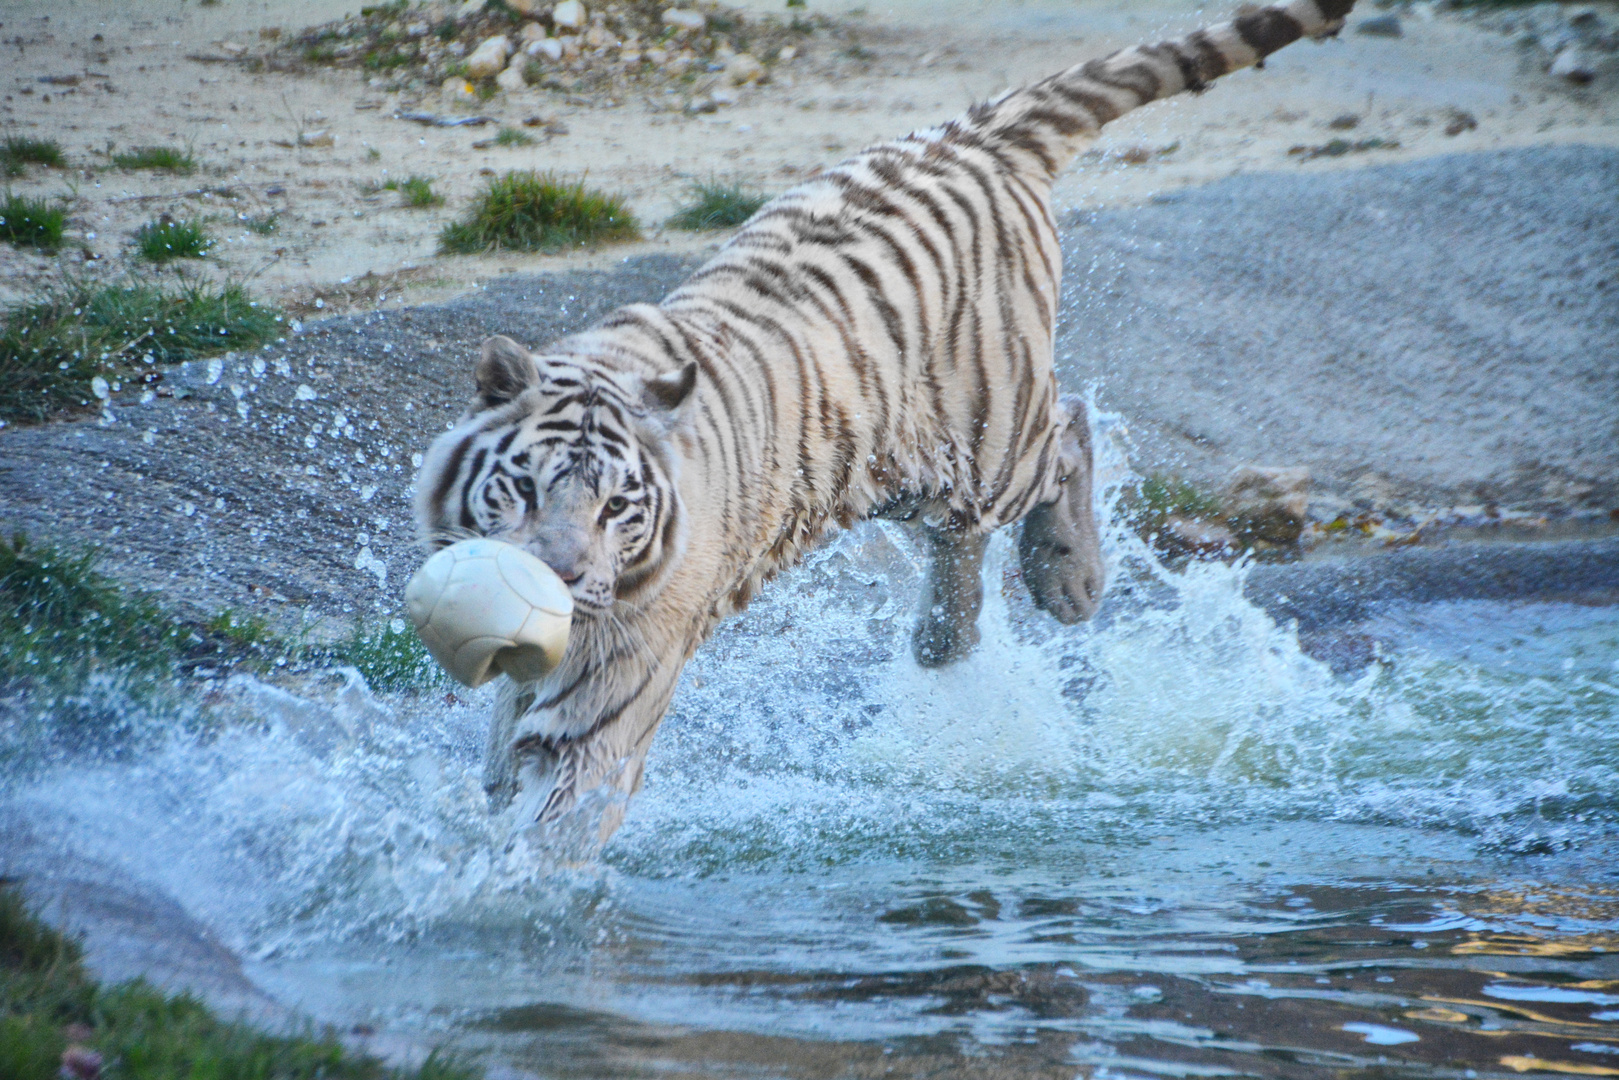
column 1167, row 843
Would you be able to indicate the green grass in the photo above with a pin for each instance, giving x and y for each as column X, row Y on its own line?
column 170, row 158
column 529, row 211
column 391, row 657
column 31, row 223
column 52, row 346
column 1151, row 503
column 510, row 136
column 416, row 191
column 717, row 206
column 166, row 239
column 17, row 152
column 59, row 618
column 142, row 1033
column 263, row 224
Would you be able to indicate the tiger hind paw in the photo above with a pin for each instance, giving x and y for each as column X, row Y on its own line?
column 1060, row 549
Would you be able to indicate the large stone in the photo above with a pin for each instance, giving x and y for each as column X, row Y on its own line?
column 1267, row 502
column 685, row 19
column 744, row 69
column 457, row 91
column 489, row 58
column 531, row 31
column 548, row 47
column 569, row 15
column 1573, row 65
column 469, row 9
column 512, row 79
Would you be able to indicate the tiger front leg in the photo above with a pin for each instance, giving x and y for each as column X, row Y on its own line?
column 953, row 597
column 1060, row 548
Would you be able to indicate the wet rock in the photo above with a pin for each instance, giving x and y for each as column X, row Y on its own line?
column 744, row 69
column 1197, row 536
column 684, row 19
column 489, row 57
column 1344, row 122
column 1380, row 26
column 1584, row 17
column 1573, row 65
column 321, row 137
column 569, row 15
column 512, row 80
column 1460, row 120
column 1344, row 650
column 1267, row 502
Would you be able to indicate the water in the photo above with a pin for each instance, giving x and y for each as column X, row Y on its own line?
column 1166, row 844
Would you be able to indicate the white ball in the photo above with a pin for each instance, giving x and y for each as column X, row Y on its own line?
column 483, row 607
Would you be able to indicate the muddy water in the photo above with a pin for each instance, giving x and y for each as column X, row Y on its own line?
column 1166, row 844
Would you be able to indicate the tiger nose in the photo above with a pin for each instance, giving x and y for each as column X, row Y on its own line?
column 565, row 555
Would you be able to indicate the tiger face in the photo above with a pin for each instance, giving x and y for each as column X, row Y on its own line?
column 570, row 460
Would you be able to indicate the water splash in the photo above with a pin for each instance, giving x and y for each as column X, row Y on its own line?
column 804, row 737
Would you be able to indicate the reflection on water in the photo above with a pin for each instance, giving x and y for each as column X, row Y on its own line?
column 1165, row 844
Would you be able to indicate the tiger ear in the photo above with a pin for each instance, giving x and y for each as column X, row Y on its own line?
column 668, row 392
column 504, row 370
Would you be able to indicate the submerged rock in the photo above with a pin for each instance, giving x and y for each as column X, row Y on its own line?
column 1380, row 26
column 1198, row 536
column 1267, row 502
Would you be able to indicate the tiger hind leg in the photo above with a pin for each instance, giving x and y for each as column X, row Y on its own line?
column 953, row 597
column 1060, row 548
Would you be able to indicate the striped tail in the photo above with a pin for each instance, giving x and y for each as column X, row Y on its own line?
column 1053, row 119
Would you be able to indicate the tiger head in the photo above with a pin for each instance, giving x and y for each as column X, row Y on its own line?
column 569, row 459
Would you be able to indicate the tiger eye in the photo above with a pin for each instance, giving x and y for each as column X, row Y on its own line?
column 617, row 504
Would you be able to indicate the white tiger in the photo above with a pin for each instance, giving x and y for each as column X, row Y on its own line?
column 876, row 340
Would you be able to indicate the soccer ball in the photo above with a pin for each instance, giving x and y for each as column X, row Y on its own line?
column 485, row 607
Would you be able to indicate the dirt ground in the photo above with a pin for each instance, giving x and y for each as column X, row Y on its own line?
column 100, row 78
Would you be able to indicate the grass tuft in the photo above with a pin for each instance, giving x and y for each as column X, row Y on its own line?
column 1150, row 504
column 31, row 223
column 510, row 136
column 170, row 158
column 416, row 191
column 263, row 224
column 59, row 618
column 145, row 1034
column 529, row 211
column 717, row 206
column 16, row 152
column 51, row 347
column 165, row 239
column 391, row 657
